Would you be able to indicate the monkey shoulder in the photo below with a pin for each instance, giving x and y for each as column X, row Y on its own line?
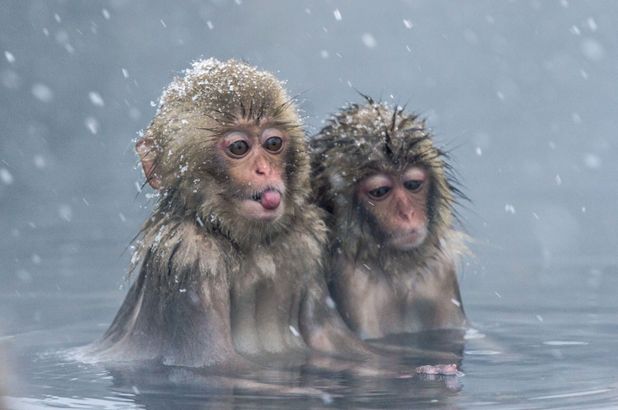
column 436, row 280
column 446, row 261
column 454, row 244
column 184, row 249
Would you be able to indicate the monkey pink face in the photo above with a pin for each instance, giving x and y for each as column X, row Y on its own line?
column 256, row 163
column 398, row 202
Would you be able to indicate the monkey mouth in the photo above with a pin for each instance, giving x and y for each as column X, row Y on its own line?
column 264, row 204
column 269, row 198
column 408, row 240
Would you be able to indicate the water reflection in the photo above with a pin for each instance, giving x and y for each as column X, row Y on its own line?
column 288, row 382
column 297, row 383
column 513, row 359
column 291, row 388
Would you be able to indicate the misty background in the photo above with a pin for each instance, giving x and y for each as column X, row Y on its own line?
column 524, row 94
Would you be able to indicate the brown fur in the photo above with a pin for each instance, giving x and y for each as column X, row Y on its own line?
column 214, row 285
column 380, row 290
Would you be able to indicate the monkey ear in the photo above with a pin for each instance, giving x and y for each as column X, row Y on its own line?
column 146, row 150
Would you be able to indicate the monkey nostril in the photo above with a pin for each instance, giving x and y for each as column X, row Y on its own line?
column 406, row 214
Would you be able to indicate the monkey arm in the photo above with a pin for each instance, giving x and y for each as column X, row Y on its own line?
column 438, row 297
column 177, row 310
column 324, row 330
column 198, row 325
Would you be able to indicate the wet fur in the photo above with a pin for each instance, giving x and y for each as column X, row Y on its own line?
column 381, row 290
column 214, row 287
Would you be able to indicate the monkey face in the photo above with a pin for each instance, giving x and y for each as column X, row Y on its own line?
column 397, row 202
column 255, row 158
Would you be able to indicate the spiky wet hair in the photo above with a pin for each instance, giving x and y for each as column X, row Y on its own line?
column 361, row 140
column 194, row 112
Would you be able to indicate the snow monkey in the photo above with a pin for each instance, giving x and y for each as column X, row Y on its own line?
column 231, row 259
column 390, row 194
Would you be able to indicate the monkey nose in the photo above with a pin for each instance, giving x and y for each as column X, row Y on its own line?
column 406, row 215
column 263, row 168
column 270, row 199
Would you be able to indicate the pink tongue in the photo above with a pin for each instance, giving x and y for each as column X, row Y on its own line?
column 270, row 199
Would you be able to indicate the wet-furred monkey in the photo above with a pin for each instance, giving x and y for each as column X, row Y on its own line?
column 230, row 261
column 390, row 194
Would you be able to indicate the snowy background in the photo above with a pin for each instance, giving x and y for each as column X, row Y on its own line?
column 524, row 94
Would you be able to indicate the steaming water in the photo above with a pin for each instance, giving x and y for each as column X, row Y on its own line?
column 537, row 344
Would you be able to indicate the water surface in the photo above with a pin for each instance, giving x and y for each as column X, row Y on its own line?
column 536, row 343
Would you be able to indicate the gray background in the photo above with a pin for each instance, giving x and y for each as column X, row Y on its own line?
column 523, row 93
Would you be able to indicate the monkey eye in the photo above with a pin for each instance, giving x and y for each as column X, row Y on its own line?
column 413, row 185
column 379, row 192
column 238, row 148
column 273, row 144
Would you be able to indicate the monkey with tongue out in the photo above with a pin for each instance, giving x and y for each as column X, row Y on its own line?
column 389, row 193
column 230, row 261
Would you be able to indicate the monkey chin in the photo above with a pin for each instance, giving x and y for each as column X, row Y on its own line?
column 406, row 241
